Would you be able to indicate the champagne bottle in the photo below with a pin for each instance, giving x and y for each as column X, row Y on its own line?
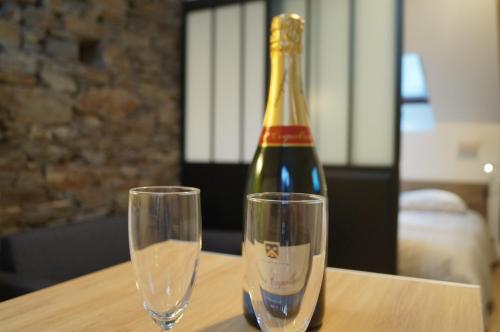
column 285, row 159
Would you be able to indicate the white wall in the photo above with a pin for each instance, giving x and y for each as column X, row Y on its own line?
column 458, row 43
column 434, row 155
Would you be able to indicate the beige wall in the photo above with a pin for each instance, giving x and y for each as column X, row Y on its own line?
column 458, row 42
column 434, row 155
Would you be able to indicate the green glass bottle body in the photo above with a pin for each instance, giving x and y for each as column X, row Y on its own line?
column 286, row 169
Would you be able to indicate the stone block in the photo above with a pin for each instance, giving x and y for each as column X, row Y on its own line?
column 55, row 5
column 62, row 49
column 145, row 182
column 26, row 2
column 69, row 177
column 8, row 178
column 32, row 149
column 135, row 140
column 9, row 229
column 83, row 27
column 107, row 102
column 40, row 133
column 94, row 157
column 15, row 61
column 110, row 178
column 11, row 157
column 56, row 153
column 12, row 196
column 9, row 215
column 91, row 122
column 43, row 213
column 38, row 106
column 161, row 139
column 32, row 40
column 152, row 174
column 10, row 12
column 154, row 93
column 58, row 81
column 18, row 68
column 168, row 114
column 92, row 76
column 84, row 215
column 64, row 133
column 114, row 11
column 66, row 6
column 30, row 180
column 127, row 171
column 45, row 152
column 15, row 133
column 154, row 10
column 158, row 95
column 164, row 158
column 90, row 130
column 142, row 122
column 116, row 59
column 17, row 78
column 9, row 35
column 93, row 198
column 36, row 217
column 147, row 63
column 37, row 18
column 132, row 39
column 168, row 42
column 138, row 23
column 121, row 201
column 32, row 165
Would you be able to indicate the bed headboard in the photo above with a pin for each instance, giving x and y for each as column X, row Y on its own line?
column 474, row 194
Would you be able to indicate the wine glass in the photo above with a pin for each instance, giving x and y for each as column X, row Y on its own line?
column 165, row 242
column 285, row 243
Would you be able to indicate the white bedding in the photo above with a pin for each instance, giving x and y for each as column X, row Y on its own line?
column 446, row 246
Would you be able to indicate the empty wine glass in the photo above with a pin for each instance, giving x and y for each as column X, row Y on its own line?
column 285, row 243
column 165, row 242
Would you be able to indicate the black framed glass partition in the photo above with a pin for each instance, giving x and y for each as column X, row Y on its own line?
column 351, row 69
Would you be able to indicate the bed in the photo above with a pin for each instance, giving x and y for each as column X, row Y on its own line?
column 442, row 234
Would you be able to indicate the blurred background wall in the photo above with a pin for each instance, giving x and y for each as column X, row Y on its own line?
column 89, row 106
column 458, row 44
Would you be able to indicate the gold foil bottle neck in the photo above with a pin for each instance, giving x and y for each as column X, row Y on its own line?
column 286, row 33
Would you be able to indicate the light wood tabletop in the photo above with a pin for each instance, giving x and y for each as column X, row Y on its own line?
column 356, row 301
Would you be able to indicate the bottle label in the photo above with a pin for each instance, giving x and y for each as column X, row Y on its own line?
column 282, row 269
column 286, row 136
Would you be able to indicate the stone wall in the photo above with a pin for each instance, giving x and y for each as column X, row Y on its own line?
column 89, row 106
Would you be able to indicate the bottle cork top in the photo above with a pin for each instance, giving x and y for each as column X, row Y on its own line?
column 286, row 33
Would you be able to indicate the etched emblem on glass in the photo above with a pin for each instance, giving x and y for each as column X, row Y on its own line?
column 272, row 249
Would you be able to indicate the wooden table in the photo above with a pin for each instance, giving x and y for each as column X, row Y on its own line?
column 356, row 301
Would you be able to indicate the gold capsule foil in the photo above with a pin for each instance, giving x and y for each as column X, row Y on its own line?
column 286, row 33
column 286, row 110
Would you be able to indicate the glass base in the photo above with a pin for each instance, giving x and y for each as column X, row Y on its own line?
column 249, row 314
column 166, row 321
column 165, row 325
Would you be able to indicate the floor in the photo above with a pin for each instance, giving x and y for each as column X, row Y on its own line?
column 494, row 320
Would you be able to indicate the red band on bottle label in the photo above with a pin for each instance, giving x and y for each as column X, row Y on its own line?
column 286, row 136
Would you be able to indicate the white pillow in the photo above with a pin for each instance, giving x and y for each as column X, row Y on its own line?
column 432, row 200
